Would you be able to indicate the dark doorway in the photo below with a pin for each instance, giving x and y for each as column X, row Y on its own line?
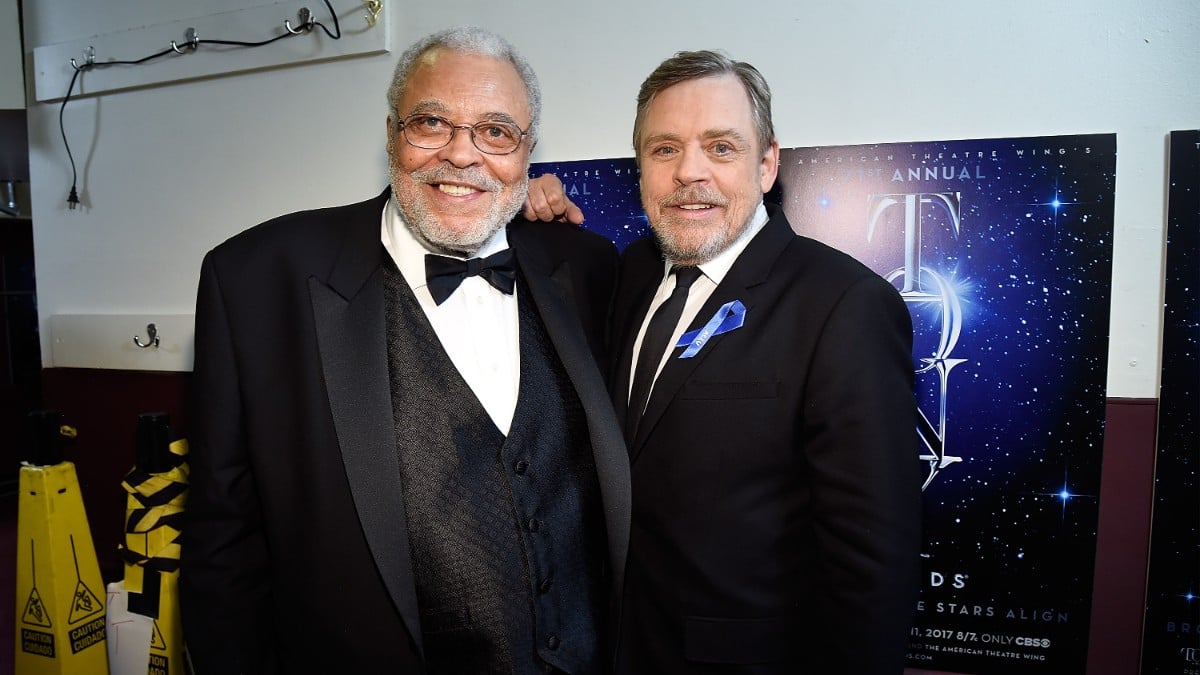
column 20, row 350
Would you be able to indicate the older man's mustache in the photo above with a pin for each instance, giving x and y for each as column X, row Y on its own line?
column 470, row 176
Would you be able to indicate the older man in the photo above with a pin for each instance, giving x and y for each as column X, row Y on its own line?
column 766, row 384
column 404, row 458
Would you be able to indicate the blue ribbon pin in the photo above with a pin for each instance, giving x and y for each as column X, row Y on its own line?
column 731, row 316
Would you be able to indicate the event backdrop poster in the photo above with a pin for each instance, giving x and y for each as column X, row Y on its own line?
column 1002, row 250
column 1171, row 637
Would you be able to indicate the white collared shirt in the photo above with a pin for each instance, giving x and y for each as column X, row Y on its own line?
column 477, row 324
column 712, row 273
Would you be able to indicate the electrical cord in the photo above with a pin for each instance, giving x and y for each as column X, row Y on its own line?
column 193, row 45
column 73, row 197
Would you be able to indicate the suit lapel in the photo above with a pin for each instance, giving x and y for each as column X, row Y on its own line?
column 549, row 281
column 749, row 271
column 348, row 311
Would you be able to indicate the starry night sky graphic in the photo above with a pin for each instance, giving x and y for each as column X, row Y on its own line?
column 607, row 191
column 1031, row 266
column 1173, row 584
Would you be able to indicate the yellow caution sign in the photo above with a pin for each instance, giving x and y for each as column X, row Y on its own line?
column 60, row 626
column 144, row 608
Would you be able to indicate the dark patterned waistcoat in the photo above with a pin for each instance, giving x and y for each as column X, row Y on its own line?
column 507, row 534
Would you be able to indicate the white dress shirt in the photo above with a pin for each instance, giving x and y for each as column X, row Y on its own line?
column 712, row 273
column 477, row 324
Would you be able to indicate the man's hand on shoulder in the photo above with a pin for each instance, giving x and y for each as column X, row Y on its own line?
column 547, row 201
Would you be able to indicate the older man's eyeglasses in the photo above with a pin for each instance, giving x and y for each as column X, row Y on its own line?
column 430, row 132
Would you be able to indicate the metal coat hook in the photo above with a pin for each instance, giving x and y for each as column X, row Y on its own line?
column 374, row 7
column 152, row 333
column 193, row 41
column 306, row 22
column 89, row 56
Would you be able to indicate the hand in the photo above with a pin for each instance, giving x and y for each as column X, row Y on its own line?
column 547, row 201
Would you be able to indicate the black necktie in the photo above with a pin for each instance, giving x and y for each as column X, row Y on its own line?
column 654, row 344
column 445, row 274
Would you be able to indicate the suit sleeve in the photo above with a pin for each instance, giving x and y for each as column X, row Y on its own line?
column 603, row 286
column 860, row 428
column 224, row 586
column 595, row 289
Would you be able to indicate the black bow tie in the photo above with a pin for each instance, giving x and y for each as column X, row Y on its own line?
column 445, row 274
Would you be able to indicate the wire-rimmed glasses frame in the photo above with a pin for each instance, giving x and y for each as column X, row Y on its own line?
column 440, row 136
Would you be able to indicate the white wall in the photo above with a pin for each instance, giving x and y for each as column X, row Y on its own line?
column 170, row 171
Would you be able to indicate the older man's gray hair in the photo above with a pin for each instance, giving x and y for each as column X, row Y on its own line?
column 469, row 40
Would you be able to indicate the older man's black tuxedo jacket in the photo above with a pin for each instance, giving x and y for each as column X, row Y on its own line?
column 295, row 550
column 776, row 487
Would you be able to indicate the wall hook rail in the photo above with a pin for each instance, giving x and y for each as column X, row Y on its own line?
column 192, row 42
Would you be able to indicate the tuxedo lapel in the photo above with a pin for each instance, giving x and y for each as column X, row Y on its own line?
column 749, row 272
column 349, row 314
column 549, row 280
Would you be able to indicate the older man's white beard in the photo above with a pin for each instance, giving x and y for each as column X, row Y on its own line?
column 427, row 227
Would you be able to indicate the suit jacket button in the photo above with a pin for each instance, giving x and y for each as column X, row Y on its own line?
column 521, row 467
column 534, row 525
column 552, row 643
column 545, row 586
